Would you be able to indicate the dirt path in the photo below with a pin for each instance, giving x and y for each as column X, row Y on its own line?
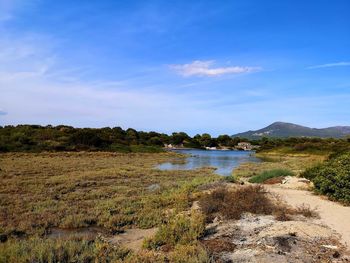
column 332, row 214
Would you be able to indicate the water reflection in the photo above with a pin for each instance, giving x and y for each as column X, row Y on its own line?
column 224, row 161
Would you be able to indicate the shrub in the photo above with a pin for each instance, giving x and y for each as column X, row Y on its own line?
column 211, row 203
column 218, row 245
column 180, row 230
column 332, row 178
column 230, row 179
column 248, row 199
column 306, row 211
column 260, row 178
column 189, row 254
column 232, row 204
column 252, row 199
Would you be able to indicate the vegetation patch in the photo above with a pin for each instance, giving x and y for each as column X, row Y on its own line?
column 332, row 177
column 261, row 178
column 230, row 179
column 60, row 250
column 232, row 204
column 217, row 245
column 179, row 230
column 82, row 190
column 272, row 160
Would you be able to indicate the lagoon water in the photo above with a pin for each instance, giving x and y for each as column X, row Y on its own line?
column 223, row 161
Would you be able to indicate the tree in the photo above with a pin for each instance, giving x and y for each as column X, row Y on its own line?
column 86, row 137
column 205, row 140
column 224, row 140
column 179, row 137
column 132, row 136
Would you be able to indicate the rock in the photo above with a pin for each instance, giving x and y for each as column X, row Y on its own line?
column 216, row 220
column 330, row 246
column 153, row 187
column 336, row 254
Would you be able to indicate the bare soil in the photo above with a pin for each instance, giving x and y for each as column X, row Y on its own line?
column 255, row 238
column 133, row 238
column 332, row 214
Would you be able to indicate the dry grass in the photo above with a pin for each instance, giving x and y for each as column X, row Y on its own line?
column 68, row 190
column 306, row 211
column 42, row 191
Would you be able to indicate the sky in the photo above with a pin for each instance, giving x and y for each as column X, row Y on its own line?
column 220, row 67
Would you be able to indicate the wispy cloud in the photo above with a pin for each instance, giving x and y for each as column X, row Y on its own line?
column 330, row 65
column 205, row 68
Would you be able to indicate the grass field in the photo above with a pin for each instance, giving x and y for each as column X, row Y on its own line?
column 113, row 191
column 271, row 160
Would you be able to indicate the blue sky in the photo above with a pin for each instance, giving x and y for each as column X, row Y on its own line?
column 193, row 66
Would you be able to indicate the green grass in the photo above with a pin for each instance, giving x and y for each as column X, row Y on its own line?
column 230, row 179
column 297, row 163
column 260, row 178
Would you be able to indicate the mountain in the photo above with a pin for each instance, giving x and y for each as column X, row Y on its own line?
column 284, row 129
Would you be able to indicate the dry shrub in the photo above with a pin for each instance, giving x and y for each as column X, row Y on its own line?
column 275, row 180
column 218, row 245
column 306, row 211
column 212, row 203
column 232, row 204
column 283, row 214
column 251, row 199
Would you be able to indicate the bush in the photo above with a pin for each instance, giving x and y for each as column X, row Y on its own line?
column 232, row 204
column 306, row 211
column 332, row 178
column 260, row 178
column 180, row 230
column 211, row 203
column 230, row 179
column 248, row 199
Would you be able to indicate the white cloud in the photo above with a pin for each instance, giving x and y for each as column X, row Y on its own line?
column 32, row 91
column 329, row 65
column 203, row 68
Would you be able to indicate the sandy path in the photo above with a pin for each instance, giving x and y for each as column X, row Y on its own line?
column 332, row 214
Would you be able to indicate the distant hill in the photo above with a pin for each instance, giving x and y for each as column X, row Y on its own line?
column 284, row 129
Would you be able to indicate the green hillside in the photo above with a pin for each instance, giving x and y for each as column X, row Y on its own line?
column 283, row 129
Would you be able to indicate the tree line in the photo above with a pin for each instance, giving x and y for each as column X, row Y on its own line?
column 36, row 138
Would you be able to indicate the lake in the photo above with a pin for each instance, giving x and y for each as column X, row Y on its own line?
column 223, row 161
